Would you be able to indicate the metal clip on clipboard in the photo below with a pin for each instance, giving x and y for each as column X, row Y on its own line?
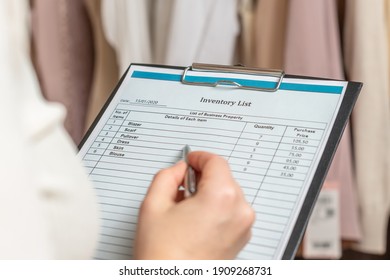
column 200, row 67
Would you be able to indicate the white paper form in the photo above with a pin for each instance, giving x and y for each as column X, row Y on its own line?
column 272, row 140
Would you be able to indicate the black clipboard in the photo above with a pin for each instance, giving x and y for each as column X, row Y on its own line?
column 349, row 100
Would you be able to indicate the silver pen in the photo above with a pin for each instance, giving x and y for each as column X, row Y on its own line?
column 190, row 177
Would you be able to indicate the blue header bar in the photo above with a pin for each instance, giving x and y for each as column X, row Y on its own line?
column 243, row 82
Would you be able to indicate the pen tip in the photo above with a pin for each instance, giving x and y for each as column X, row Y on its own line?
column 187, row 149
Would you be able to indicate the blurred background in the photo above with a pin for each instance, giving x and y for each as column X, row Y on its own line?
column 80, row 49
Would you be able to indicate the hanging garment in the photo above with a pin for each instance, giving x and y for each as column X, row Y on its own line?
column 63, row 53
column 105, row 73
column 367, row 60
column 269, row 33
column 48, row 209
column 202, row 31
column 313, row 49
column 126, row 26
column 387, row 9
column 161, row 18
column 246, row 46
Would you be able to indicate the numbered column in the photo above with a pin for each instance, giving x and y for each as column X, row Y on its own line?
column 253, row 155
column 291, row 163
column 250, row 161
column 104, row 138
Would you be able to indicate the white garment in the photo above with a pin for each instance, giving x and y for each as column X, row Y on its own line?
column 127, row 29
column 161, row 20
column 366, row 59
column 47, row 206
column 202, row 31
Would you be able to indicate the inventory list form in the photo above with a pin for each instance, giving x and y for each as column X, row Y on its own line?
column 273, row 142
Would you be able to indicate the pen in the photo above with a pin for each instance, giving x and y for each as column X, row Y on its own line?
column 190, row 177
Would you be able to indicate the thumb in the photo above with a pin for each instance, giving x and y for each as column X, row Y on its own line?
column 162, row 192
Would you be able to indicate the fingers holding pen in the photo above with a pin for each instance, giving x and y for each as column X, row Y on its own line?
column 214, row 223
column 162, row 192
column 216, row 184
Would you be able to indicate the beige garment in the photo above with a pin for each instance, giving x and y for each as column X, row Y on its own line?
column 387, row 8
column 246, row 44
column 366, row 51
column 313, row 49
column 105, row 74
column 48, row 209
column 269, row 33
column 63, row 48
column 161, row 19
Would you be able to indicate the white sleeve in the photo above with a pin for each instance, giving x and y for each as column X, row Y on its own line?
column 48, row 208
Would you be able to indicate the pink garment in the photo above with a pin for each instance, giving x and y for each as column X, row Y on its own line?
column 313, row 49
column 63, row 50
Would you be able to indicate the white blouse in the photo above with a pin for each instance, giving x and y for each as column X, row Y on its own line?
column 202, row 31
column 48, row 208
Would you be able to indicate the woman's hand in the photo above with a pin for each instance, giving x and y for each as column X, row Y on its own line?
column 215, row 223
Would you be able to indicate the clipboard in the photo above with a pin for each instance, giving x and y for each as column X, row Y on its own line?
column 217, row 82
